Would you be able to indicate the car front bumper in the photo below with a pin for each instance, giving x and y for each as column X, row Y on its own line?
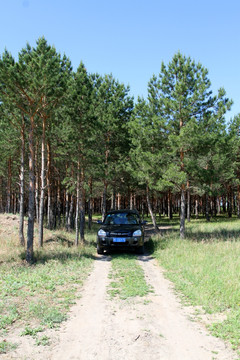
column 118, row 243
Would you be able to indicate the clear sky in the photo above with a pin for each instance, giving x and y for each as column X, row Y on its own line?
column 131, row 38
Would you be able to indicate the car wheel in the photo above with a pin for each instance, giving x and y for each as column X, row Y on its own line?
column 140, row 250
column 99, row 250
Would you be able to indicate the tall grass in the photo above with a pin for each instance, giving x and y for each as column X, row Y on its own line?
column 205, row 268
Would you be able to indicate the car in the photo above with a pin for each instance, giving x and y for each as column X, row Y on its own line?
column 121, row 229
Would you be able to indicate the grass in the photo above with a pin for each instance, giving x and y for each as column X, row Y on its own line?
column 127, row 277
column 40, row 294
column 6, row 346
column 205, row 268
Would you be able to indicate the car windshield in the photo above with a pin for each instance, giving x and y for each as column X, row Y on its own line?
column 122, row 219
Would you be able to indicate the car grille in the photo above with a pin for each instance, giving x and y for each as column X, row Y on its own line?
column 126, row 234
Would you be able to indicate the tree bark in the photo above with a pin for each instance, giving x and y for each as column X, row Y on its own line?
column 230, row 209
column 36, row 185
column 59, row 202
column 77, row 206
column 169, row 204
column 82, row 207
column 9, row 182
column 207, row 208
column 113, row 204
column 104, row 201
column 119, row 201
column 90, row 205
column 49, row 206
column 131, row 200
column 188, row 203
column 1, row 194
column 21, row 210
column 238, row 201
column 31, row 196
column 67, row 210
column 41, row 208
column 182, row 213
column 70, row 217
column 196, row 207
column 150, row 209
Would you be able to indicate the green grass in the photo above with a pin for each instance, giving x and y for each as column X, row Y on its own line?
column 127, row 277
column 42, row 293
column 6, row 346
column 205, row 268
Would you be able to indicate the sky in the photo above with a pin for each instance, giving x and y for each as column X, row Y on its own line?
column 131, row 38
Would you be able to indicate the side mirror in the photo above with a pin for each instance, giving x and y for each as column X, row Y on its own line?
column 100, row 222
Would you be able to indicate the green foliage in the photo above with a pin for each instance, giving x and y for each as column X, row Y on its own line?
column 44, row 341
column 31, row 331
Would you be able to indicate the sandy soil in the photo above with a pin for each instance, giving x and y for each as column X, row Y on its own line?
column 155, row 327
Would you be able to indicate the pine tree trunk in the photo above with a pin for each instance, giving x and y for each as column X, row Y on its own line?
column 188, row 206
column 67, row 211
column 9, row 182
column 90, row 205
column 119, row 201
column 31, row 196
column 50, row 220
column 207, row 208
column 59, row 202
column 77, row 207
column 169, row 204
column 113, row 205
column 196, row 207
column 82, row 208
column 70, row 217
column 238, row 201
column 134, row 201
column 14, row 196
column 41, row 208
column 21, row 210
column 131, row 200
column 230, row 202
column 218, row 206
column 1, row 194
column 104, row 201
column 182, row 213
column 224, row 204
column 163, row 206
column 36, row 185
column 150, row 209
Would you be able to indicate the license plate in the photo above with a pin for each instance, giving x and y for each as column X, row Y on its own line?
column 119, row 240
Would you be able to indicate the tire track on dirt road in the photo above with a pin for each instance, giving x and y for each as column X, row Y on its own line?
column 153, row 327
column 181, row 337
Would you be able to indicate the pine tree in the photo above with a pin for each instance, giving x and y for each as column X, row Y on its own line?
column 183, row 97
column 113, row 108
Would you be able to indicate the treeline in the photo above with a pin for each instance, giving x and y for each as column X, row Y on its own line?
column 74, row 143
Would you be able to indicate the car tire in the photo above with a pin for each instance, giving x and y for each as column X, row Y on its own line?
column 140, row 250
column 99, row 250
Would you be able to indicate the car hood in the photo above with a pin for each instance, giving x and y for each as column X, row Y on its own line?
column 120, row 229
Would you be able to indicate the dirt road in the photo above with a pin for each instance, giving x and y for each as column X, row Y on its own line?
column 156, row 327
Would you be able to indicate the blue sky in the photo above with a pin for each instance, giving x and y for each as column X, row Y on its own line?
column 131, row 38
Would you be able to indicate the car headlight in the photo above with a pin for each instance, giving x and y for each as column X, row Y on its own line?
column 102, row 233
column 137, row 233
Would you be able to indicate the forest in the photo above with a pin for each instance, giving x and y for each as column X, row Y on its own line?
column 75, row 143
